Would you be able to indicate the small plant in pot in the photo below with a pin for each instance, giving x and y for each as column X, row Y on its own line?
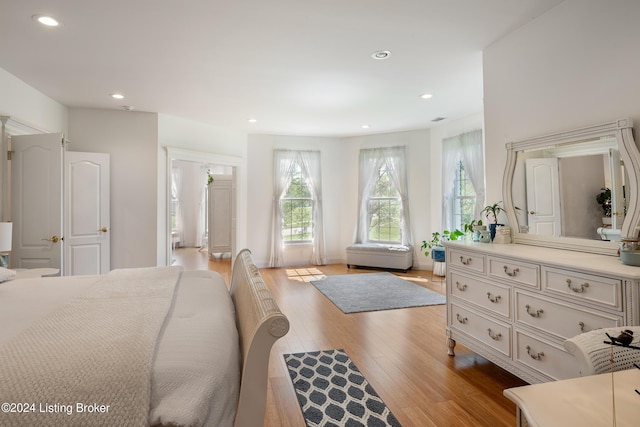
column 436, row 242
column 474, row 228
column 491, row 212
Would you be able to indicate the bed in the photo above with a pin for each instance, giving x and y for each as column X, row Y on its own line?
column 151, row 346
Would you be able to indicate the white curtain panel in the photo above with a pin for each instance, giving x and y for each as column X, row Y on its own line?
column 450, row 159
column 202, row 207
column 176, row 185
column 468, row 149
column 370, row 162
column 472, row 156
column 310, row 165
column 284, row 162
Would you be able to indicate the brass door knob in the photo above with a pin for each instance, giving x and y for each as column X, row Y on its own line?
column 104, row 229
column 52, row 239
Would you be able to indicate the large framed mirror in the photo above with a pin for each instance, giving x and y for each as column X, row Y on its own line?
column 574, row 190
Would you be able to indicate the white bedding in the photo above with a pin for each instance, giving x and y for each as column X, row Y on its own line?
column 197, row 359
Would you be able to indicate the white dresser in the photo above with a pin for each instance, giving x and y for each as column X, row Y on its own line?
column 516, row 304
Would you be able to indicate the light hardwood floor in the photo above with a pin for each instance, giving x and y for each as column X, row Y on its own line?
column 402, row 353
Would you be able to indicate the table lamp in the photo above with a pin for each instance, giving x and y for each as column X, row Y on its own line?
column 6, row 232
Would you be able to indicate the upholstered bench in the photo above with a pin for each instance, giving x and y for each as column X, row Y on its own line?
column 393, row 257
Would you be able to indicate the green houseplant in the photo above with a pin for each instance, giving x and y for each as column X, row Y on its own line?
column 436, row 241
column 604, row 200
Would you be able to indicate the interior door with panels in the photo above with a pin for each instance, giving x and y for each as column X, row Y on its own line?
column 36, row 197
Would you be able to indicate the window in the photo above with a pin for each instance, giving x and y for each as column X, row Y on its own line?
column 297, row 209
column 384, row 210
column 464, row 199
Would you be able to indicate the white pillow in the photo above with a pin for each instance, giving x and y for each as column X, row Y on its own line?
column 6, row 274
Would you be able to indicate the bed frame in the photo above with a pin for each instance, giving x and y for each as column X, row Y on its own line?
column 260, row 324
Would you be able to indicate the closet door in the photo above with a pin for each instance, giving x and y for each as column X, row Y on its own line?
column 221, row 212
column 36, row 201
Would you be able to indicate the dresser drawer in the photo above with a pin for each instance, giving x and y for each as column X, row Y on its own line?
column 469, row 261
column 490, row 332
column 546, row 358
column 496, row 298
column 516, row 272
column 604, row 291
column 560, row 319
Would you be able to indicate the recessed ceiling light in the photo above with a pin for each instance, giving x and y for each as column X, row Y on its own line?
column 426, row 96
column 46, row 20
column 252, row 120
column 365, row 126
column 117, row 96
column 381, row 54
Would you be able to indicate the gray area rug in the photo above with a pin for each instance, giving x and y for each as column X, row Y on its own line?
column 354, row 293
column 332, row 392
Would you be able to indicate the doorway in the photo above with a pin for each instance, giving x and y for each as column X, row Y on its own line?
column 189, row 212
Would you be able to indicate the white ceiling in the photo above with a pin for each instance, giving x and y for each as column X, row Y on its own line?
column 297, row 67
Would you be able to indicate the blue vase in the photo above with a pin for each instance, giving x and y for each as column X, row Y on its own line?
column 492, row 229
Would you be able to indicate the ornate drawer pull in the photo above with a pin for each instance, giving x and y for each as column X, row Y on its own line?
column 462, row 320
column 461, row 288
column 536, row 314
column 465, row 261
column 513, row 272
column 495, row 299
column 536, row 356
column 495, row 337
column 579, row 290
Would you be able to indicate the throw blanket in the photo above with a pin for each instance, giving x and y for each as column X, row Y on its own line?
column 89, row 363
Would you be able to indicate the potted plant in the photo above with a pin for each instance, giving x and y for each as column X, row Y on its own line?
column 491, row 212
column 436, row 242
column 474, row 228
column 604, row 200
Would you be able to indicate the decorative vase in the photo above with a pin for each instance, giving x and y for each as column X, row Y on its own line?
column 485, row 236
column 476, row 232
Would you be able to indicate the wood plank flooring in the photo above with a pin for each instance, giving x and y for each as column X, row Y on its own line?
column 402, row 353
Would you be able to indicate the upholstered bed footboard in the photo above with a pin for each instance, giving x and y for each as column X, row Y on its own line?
column 260, row 324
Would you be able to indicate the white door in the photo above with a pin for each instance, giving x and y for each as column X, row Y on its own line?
column 543, row 198
column 221, row 211
column 36, row 200
column 86, row 213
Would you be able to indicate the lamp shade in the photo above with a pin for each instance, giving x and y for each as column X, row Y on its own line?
column 6, row 234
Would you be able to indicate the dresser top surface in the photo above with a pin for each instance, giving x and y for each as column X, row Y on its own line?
column 593, row 263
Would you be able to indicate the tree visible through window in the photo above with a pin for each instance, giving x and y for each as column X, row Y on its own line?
column 297, row 211
column 464, row 198
column 384, row 210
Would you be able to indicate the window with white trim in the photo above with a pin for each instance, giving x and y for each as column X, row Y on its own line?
column 296, row 205
column 384, row 210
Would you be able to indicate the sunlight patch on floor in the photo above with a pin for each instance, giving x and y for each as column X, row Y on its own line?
column 306, row 274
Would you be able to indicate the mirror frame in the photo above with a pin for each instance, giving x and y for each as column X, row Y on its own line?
column 622, row 129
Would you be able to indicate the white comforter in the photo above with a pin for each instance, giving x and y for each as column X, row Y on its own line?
column 195, row 375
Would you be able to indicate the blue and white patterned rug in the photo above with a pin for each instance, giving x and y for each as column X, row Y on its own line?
column 333, row 393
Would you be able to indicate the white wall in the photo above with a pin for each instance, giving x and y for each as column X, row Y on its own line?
column 574, row 66
column 28, row 106
column 131, row 140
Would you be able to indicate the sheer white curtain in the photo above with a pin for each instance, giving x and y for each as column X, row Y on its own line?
column 466, row 148
column 284, row 162
column 176, row 186
column 202, row 207
column 472, row 156
column 371, row 160
column 310, row 164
